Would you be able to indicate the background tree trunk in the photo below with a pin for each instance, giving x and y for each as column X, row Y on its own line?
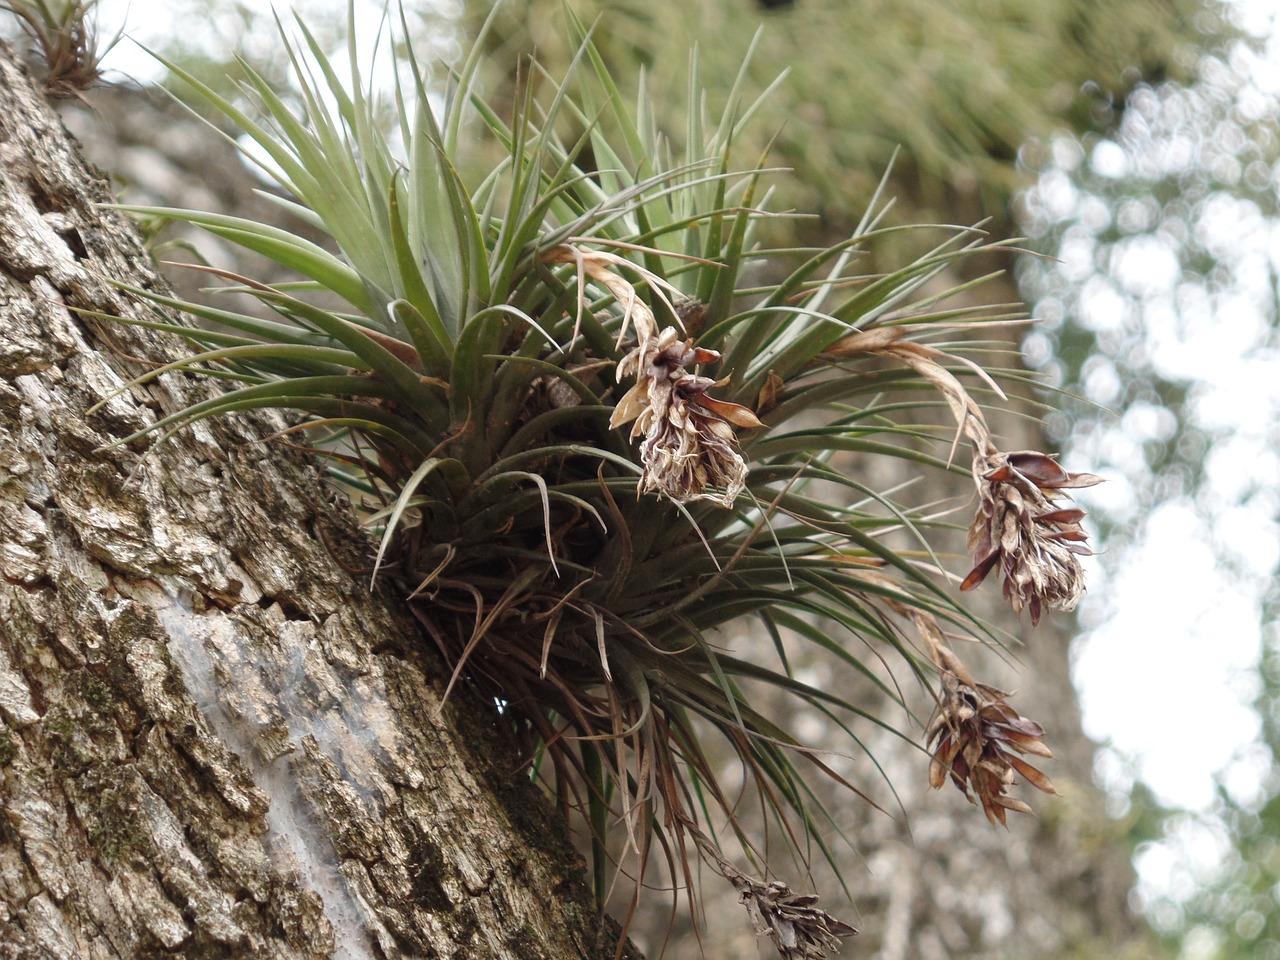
column 213, row 740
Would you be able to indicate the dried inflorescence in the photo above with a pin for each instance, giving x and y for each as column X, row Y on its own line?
column 978, row 740
column 796, row 925
column 799, row 929
column 1018, row 525
column 690, row 451
column 1021, row 528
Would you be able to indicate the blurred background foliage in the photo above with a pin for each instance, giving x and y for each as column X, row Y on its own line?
column 955, row 89
column 1136, row 142
column 1161, row 316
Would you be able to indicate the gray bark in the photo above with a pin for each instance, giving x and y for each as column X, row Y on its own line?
column 214, row 742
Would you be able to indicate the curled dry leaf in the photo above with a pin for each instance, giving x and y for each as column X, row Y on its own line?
column 979, row 740
column 1021, row 527
column 769, row 393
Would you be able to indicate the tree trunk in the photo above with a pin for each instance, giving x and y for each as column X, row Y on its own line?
column 214, row 742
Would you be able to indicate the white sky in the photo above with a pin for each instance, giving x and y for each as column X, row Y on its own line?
column 152, row 23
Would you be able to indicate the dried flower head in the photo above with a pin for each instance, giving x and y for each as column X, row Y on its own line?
column 1036, row 542
column 798, row 928
column 690, row 451
column 977, row 739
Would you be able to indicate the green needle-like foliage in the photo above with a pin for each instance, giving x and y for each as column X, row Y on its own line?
column 467, row 352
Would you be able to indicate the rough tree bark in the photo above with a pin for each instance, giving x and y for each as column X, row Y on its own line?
column 214, row 742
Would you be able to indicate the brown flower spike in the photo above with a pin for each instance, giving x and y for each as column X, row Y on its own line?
column 978, row 740
column 689, row 446
column 798, row 929
column 974, row 735
column 689, row 443
column 793, row 922
column 1019, row 526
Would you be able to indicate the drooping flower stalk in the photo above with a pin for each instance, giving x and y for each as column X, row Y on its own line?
column 975, row 737
column 794, row 923
column 1018, row 525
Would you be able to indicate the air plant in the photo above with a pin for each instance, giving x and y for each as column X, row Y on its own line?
column 66, row 35
column 587, row 437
